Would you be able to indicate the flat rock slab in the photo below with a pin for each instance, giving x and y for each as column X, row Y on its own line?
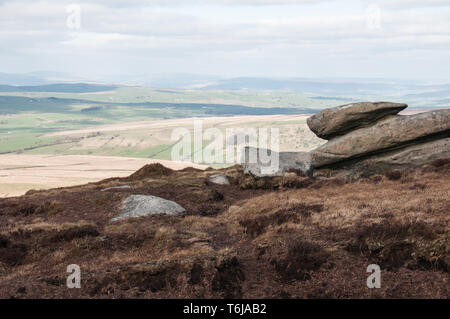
column 219, row 179
column 281, row 162
column 144, row 205
column 393, row 132
column 345, row 118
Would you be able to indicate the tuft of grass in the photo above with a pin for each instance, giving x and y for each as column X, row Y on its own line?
column 228, row 278
column 150, row 170
column 72, row 233
column 393, row 244
column 394, row 175
column 256, row 226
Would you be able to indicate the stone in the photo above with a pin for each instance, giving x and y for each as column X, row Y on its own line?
column 281, row 162
column 393, row 132
column 143, row 205
column 412, row 156
column 219, row 179
column 342, row 119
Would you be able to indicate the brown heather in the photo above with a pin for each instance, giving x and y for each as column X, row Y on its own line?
column 287, row 237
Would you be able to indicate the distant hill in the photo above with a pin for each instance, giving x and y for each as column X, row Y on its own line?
column 302, row 85
column 431, row 94
column 17, row 104
column 21, row 79
column 334, row 87
column 59, row 87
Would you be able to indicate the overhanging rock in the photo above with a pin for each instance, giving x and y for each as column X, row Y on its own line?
column 342, row 119
column 393, row 132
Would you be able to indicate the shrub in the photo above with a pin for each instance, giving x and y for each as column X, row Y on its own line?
column 301, row 258
column 72, row 233
column 394, row 175
column 228, row 277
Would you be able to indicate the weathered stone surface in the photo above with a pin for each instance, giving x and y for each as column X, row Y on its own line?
column 219, row 179
column 281, row 162
column 392, row 132
column 408, row 157
column 342, row 119
column 143, row 205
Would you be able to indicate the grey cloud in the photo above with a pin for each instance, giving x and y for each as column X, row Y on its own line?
column 35, row 33
column 128, row 3
column 141, row 3
column 407, row 4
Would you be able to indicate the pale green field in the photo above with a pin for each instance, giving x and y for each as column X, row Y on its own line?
column 153, row 139
column 27, row 119
column 238, row 97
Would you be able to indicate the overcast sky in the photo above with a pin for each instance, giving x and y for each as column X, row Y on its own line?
column 285, row 38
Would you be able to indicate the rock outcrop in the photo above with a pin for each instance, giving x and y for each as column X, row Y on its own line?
column 411, row 156
column 386, row 134
column 285, row 161
column 392, row 142
column 342, row 119
column 143, row 205
column 366, row 139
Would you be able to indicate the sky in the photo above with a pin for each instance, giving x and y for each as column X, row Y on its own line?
column 122, row 39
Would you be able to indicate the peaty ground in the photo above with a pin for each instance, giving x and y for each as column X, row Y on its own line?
column 286, row 237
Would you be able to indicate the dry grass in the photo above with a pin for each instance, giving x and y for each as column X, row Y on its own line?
column 287, row 237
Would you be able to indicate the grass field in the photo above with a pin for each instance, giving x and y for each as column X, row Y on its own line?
column 20, row 173
column 27, row 119
column 137, row 122
column 97, row 152
column 230, row 97
column 153, row 138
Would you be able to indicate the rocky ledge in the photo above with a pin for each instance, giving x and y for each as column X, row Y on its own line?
column 368, row 138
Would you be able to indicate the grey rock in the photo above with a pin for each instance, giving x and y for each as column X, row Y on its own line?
column 342, row 119
column 280, row 163
column 393, row 132
column 143, row 205
column 408, row 157
column 219, row 179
